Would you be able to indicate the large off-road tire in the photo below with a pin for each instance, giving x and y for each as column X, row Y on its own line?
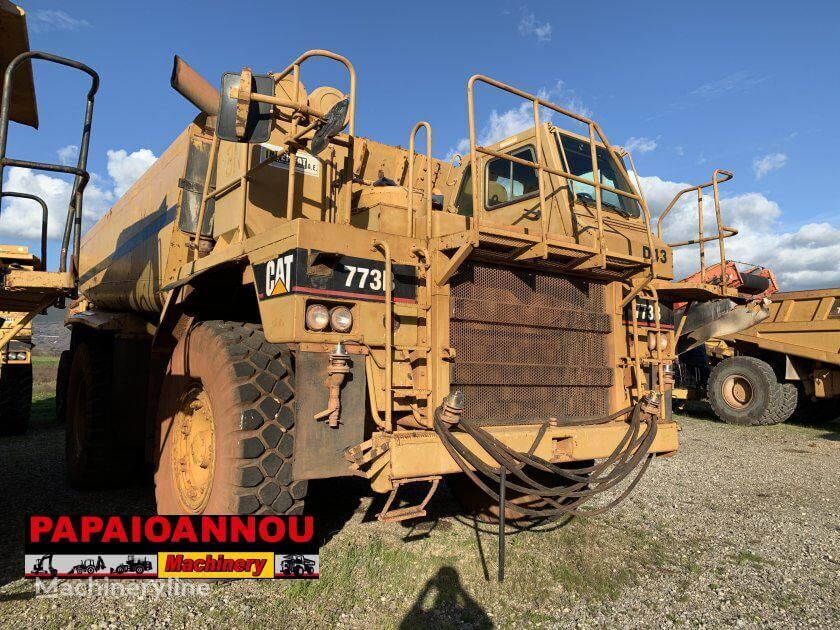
column 226, row 425
column 745, row 391
column 15, row 398
column 62, row 378
column 92, row 455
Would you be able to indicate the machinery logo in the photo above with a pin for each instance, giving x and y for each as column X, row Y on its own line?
column 304, row 163
column 278, row 274
column 328, row 274
column 112, row 566
column 171, row 547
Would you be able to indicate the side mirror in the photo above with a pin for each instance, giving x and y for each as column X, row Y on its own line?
column 242, row 119
column 334, row 121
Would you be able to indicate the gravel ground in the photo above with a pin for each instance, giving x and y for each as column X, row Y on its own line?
column 741, row 529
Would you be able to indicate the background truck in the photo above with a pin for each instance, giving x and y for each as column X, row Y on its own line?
column 16, row 356
column 27, row 286
column 278, row 299
column 759, row 375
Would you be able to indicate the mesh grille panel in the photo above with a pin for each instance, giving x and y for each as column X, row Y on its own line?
column 529, row 345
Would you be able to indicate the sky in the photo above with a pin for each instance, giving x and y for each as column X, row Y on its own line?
column 751, row 87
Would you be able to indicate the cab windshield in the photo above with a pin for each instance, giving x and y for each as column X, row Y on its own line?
column 580, row 163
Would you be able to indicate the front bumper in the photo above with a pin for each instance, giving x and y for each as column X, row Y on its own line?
column 406, row 455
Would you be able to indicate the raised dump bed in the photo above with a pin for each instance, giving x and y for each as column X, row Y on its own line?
column 793, row 356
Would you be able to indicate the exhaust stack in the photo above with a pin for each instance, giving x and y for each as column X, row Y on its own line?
column 194, row 87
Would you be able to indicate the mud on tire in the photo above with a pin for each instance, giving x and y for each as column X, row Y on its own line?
column 250, row 385
column 15, row 398
column 744, row 390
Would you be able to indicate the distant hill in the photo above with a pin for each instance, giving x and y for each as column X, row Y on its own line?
column 49, row 334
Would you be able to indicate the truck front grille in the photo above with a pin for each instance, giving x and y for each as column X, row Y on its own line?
column 529, row 345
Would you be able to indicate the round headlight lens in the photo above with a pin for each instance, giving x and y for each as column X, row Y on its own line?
column 317, row 317
column 341, row 319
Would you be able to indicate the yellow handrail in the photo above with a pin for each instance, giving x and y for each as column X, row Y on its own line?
column 410, row 187
column 594, row 130
column 723, row 231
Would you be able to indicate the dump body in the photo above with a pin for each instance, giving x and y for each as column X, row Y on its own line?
column 803, row 331
column 802, row 324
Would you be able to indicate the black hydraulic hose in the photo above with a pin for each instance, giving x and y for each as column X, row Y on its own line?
column 560, row 499
column 500, row 450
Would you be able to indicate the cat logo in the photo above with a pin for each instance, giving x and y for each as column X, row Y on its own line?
column 278, row 275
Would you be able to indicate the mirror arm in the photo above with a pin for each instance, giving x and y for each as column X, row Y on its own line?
column 278, row 102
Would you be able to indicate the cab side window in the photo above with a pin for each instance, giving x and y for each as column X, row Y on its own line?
column 464, row 199
column 508, row 181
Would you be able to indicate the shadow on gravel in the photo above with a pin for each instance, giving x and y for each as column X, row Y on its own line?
column 17, row 597
column 444, row 511
column 450, row 605
column 334, row 501
column 33, row 482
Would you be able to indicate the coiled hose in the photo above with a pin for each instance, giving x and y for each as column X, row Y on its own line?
column 573, row 488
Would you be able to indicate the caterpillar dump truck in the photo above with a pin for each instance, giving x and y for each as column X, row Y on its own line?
column 759, row 375
column 278, row 300
column 27, row 287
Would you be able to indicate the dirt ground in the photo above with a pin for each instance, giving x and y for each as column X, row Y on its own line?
column 741, row 528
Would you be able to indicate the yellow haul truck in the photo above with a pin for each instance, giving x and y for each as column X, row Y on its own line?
column 278, row 300
column 27, row 288
column 759, row 375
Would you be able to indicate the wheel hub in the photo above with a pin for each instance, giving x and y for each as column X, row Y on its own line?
column 193, row 450
column 737, row 391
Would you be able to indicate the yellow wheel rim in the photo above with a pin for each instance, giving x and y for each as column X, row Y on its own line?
column 737, row 391
column 194, row 450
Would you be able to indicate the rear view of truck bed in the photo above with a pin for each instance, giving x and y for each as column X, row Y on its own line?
column 791, row 357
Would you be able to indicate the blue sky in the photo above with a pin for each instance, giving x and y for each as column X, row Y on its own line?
column 747, row 86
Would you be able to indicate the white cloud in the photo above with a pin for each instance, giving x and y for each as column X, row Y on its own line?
column 679, row 150
column 640, row 145
column 501, row 125
column 126, row 168
column 67, row 155
column 21, row 218
column 738, row 81
column 47, row 20
column 805, row 258
column 530, row 27
column 767, row 163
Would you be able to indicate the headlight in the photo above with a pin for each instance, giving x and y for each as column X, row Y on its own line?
column 317, row 317
column 341, row 319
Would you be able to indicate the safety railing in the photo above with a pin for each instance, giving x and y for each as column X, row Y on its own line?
column 723, row 232
column 385, row 249
column 594, row 131
column 73, row 224
column 297, row 131
column 428, row 192
column 44, row 221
